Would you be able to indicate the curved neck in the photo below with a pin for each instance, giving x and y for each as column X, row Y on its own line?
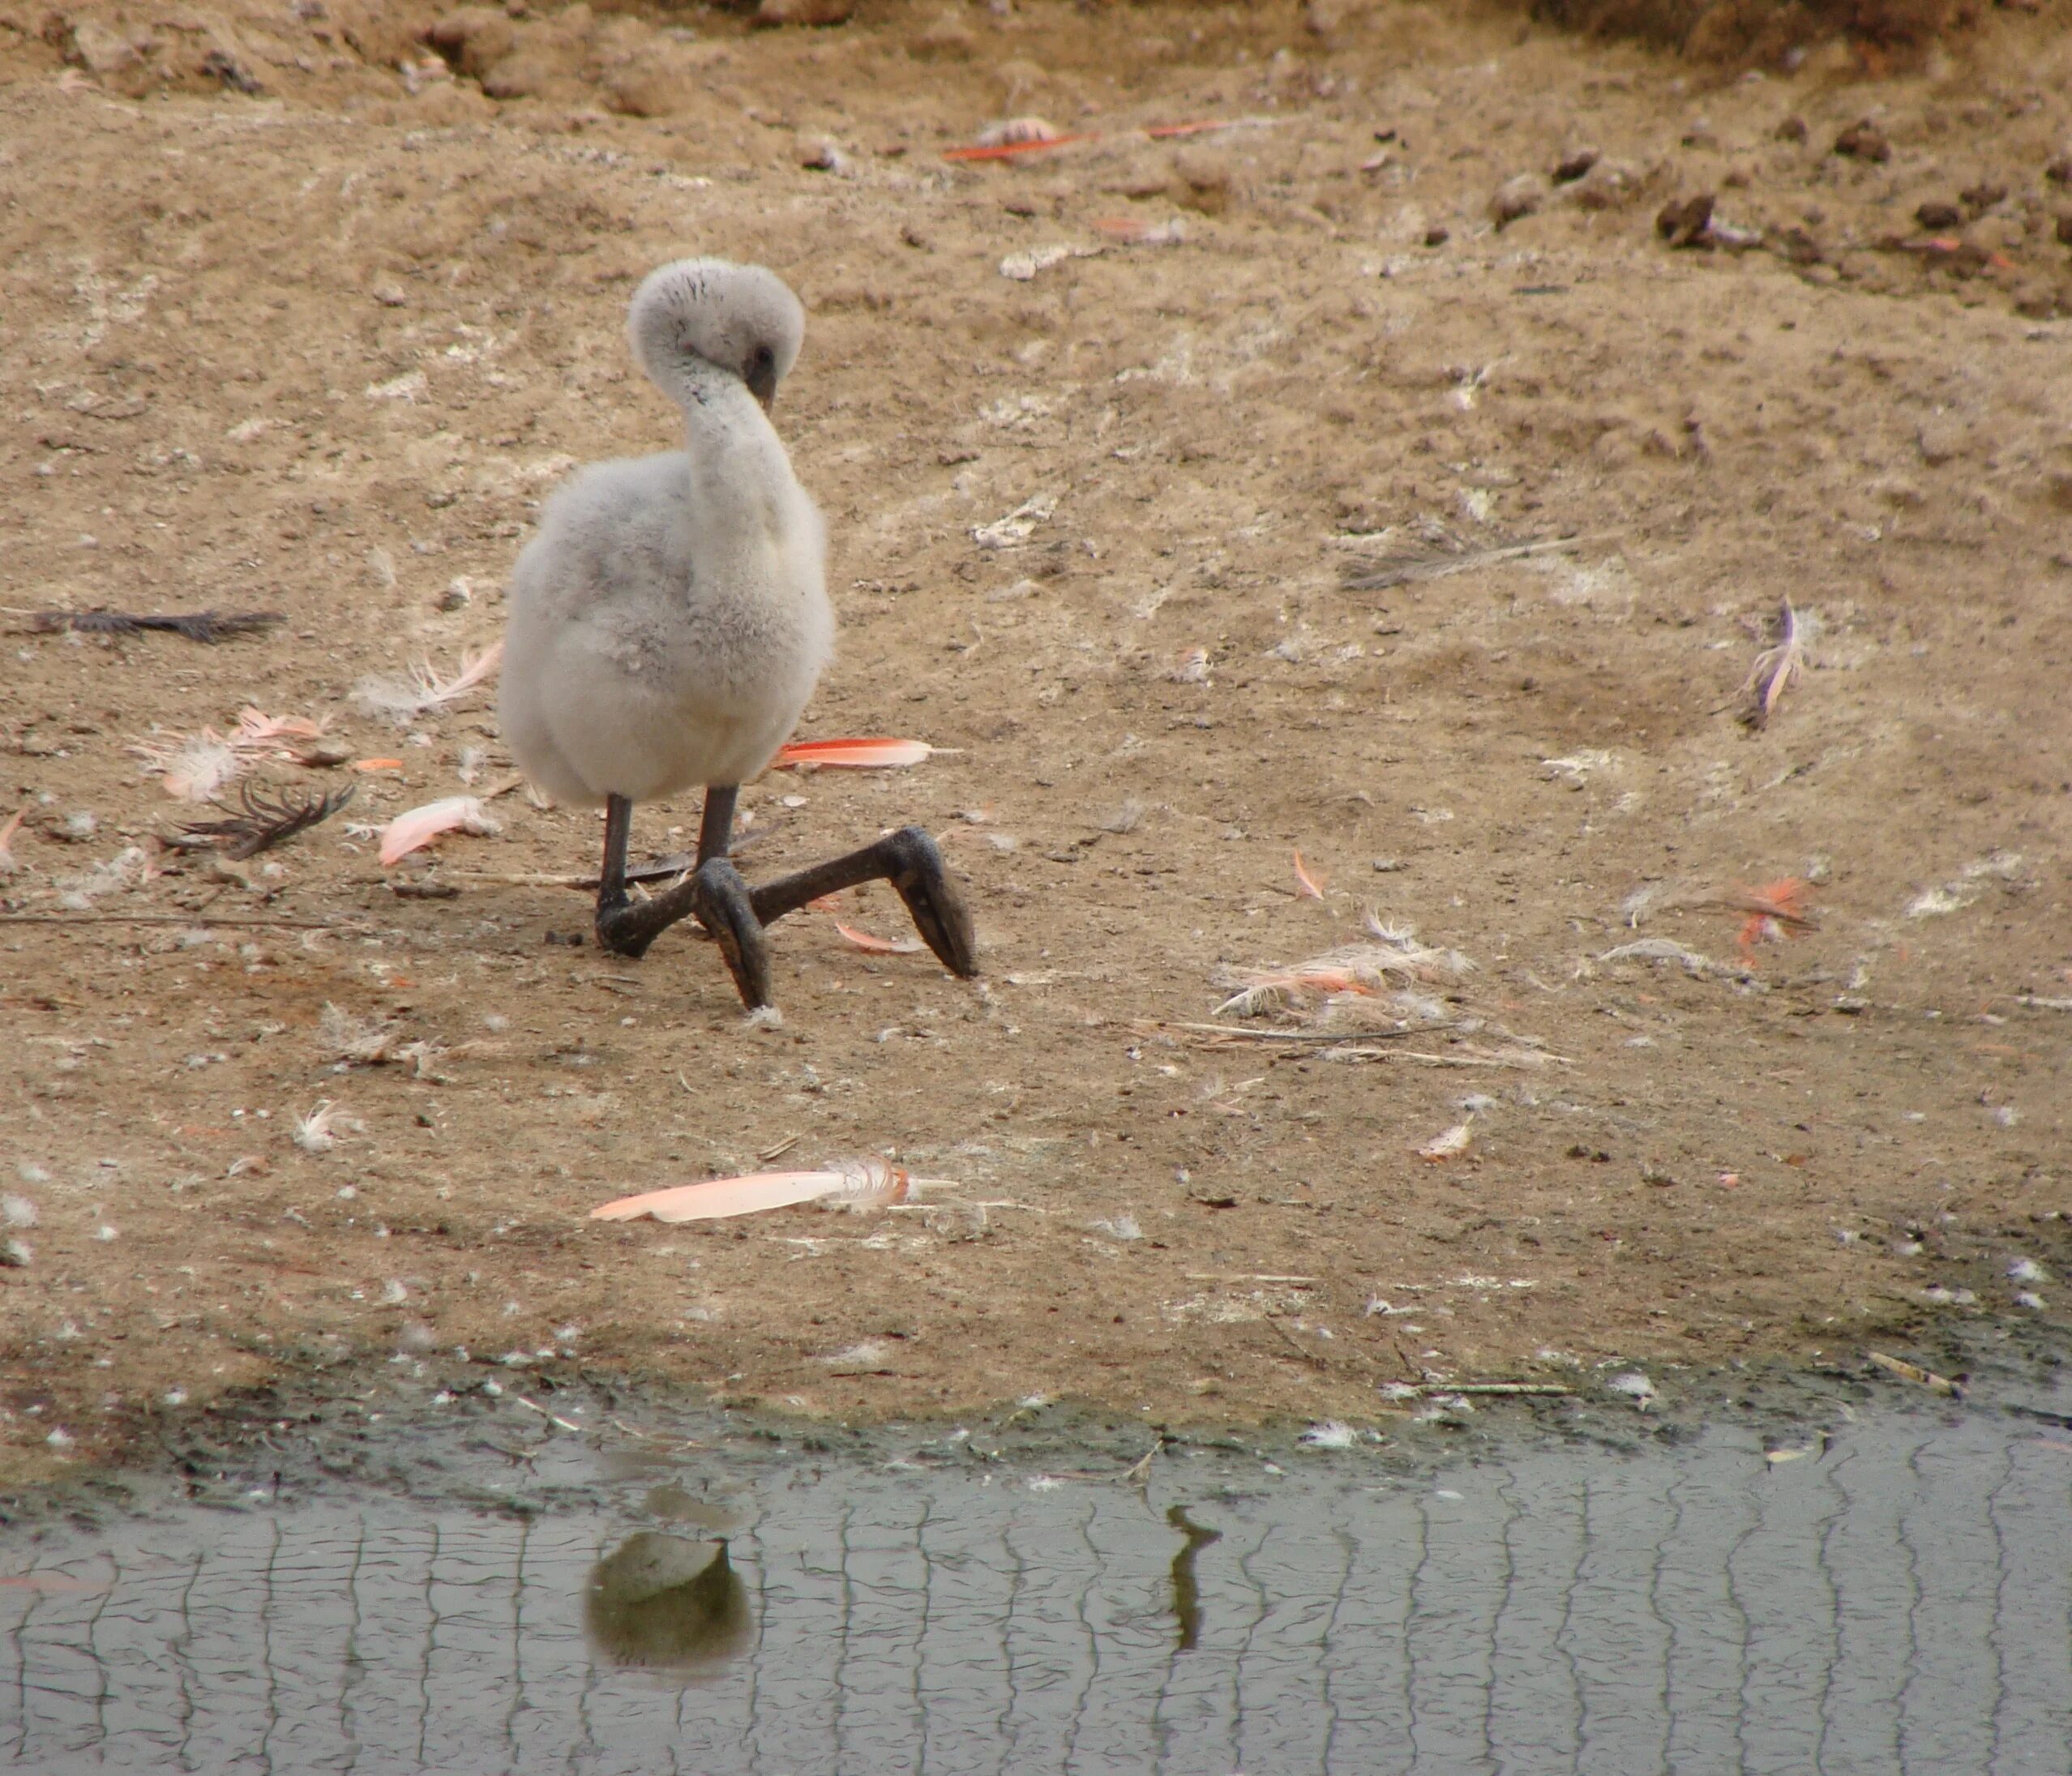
column 736, row 457
column 701, row 388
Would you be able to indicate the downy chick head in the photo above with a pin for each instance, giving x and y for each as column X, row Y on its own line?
column 741, row 319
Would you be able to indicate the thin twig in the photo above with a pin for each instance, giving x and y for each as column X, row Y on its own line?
column 551, row 1418
column 652, row 1436
column 1252, row 1033
column 1379, row 573
column 661, row 869
column 1504, row 1387
column 174, row 918
column 1143, row 1467
column 1250, row 1276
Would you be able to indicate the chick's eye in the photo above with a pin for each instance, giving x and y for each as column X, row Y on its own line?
column 764, row 357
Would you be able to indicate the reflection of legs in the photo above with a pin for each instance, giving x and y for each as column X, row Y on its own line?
column 910, row 861
column 715, row 895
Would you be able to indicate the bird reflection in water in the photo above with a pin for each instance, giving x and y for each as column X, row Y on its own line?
column 667, row 1602
column 1187, row 1591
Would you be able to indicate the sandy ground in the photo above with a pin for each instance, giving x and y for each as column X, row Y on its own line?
column 321, row 348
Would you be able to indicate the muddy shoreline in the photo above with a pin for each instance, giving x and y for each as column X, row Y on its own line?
column 423, row 1434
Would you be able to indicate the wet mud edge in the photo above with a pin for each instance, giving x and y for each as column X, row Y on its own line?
column 367, row 1426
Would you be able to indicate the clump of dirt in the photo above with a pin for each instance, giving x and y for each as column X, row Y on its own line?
column 1237, row 477
column 1776, row 32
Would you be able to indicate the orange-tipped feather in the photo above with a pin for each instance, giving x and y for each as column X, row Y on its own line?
column 859, row 1183
column 860, row 754
column 876, row 946
column 1006, row 151
column 1774, row 910
column 1307, row 888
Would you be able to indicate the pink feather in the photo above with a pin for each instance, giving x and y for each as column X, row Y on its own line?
column 876, row 946
column 420, row 826
column 859, row 1184
column 860, row 754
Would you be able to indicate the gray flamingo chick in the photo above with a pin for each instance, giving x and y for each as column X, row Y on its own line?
column 670, row 621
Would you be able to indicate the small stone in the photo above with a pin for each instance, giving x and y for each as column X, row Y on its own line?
column 1574, row 164
column 1437, row 236
column 1937, row 217
column 773, row 13
column 1792, row 129
column 1978, row 199
column 947, row 39
column 1326, row 18
column 222, row 64
column 1517, row 198
column 1606, row 185
column 389, row 295
column 2058, row 170
column 1864, row 140
column 1208, row 174
column 1938, row 441
column 823, row 157
column 2065, row 229
column 1684, row 223
column 99, row 50
column 1796, row 246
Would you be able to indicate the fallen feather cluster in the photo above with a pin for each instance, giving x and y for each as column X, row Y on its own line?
column 403, row 701
column 1361, row 970
column 131, row 867
column 350, row 1043
column 195, row 766
column 1966, row 886
column 1694, row 963
column 318, row 1132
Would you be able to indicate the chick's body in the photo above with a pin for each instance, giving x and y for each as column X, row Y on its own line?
column 671, row 619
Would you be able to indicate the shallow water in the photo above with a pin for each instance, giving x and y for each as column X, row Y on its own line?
column 1898, row 1598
